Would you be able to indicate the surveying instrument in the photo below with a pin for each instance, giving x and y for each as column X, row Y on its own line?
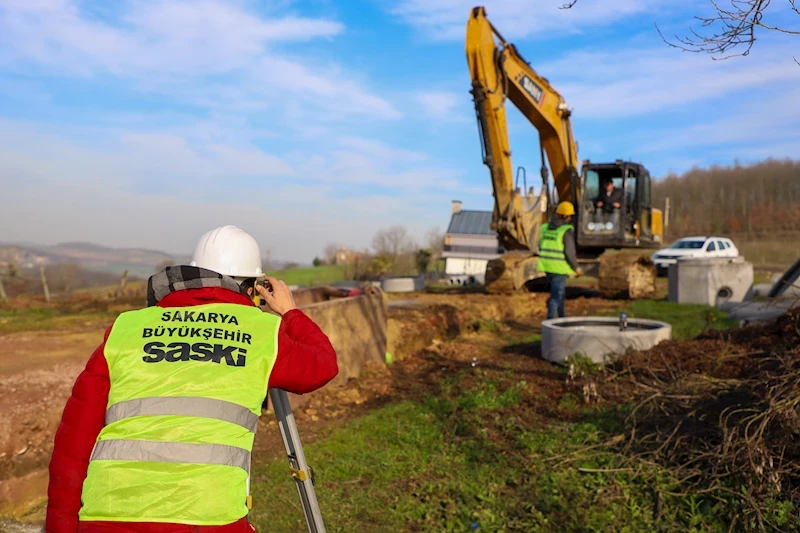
column 302, row 474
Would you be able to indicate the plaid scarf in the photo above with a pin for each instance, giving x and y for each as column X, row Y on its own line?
column 178, row 278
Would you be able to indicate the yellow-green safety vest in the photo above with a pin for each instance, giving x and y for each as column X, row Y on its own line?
column 187, row 385
column 552, row 258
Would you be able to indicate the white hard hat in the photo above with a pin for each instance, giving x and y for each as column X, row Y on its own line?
column 229, row 251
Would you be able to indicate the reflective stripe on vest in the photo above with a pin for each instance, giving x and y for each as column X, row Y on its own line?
column 202, row 407
column 552, row 259
column 187, row 385
column 171, row 452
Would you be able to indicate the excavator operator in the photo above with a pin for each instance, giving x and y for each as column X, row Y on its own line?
column 608, row 203
column 557, row 256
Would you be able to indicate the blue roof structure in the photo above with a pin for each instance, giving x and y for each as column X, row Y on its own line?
column 471, row 223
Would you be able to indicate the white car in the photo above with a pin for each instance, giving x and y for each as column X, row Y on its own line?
column 694, row 247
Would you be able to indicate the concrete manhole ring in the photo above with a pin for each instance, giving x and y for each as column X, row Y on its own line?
column 599, row 338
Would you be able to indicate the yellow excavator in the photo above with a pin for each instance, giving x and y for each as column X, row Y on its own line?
column 499, row 73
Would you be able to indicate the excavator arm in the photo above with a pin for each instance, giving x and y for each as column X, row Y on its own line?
column 499, row 73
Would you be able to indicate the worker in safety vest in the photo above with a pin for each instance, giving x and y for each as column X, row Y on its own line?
column 557, row 256
column 157, row 434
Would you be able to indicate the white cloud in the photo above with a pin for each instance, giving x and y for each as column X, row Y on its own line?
column 441, row 104
column 296, row 230
column 167, row 36
column 755, row 129
column 183, row 49
column 326, row 84
column 114, row 156
column 630, row 81
column 160, row 189
column 381, row 150
column 516, row 19
column 355, row 169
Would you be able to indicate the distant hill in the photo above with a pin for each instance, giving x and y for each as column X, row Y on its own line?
column 139, row 262
column 62, row 278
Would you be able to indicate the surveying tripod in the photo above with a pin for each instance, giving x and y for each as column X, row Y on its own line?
column 301, row 472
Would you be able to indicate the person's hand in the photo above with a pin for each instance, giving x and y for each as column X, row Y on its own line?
column 280, row 300
column 579, row 273
column 600, row 204
column 616, row 204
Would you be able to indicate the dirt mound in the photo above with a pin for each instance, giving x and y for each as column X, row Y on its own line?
column 741, row 353
column 721, row 414
column 627, row 276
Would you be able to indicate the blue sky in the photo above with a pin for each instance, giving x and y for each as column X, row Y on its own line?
column 145, row 123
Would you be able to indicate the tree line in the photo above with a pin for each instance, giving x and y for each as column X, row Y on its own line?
column 393, row 251
column 758, row 199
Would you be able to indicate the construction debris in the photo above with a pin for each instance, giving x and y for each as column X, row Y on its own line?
column 763, row 306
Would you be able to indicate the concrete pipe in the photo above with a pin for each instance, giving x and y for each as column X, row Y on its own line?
column 599, row 338
column 403, row 284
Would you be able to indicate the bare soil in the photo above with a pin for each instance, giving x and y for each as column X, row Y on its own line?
column 429, row 335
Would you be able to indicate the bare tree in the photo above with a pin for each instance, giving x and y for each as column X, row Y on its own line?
column 64, row 277
column 435, row 238
column 395, row 251
column 730, row 31
column 392, row 242
column 330, row 252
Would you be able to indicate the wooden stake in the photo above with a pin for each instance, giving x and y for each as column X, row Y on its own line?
column 3, row 295
column 122, row 282
column 44, row 284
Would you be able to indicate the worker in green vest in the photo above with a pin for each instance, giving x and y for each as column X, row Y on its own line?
column 157, row 435
column 557, row 256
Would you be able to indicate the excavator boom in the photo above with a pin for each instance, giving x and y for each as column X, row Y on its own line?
column 500, row 72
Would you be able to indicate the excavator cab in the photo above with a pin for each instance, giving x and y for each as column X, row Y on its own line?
column 615, row 210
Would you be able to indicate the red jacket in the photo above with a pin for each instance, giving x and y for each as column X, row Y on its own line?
column 306, row 361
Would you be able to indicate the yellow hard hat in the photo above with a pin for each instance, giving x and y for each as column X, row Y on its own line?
column 565, row 209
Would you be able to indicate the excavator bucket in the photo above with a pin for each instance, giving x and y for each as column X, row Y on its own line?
column 626, row 275
column 511, row 272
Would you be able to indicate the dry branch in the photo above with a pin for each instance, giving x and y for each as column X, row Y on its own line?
column 730, row 28
column 722, row 426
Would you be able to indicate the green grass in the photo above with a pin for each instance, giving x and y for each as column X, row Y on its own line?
column 464, row 457
column 779, row 252
column 687, row 321
column 762, row 277
column 311, row 275
column 41, row 319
